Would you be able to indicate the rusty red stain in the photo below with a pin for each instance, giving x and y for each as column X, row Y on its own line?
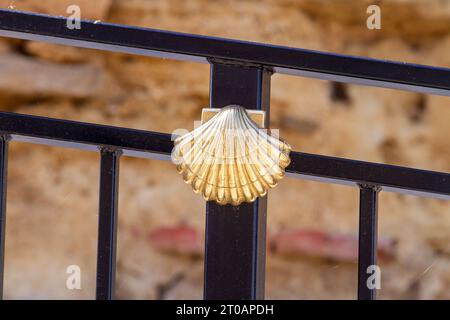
column 180, row 239
column 335, row 246
column 186, row 240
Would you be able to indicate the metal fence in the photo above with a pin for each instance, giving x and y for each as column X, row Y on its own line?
column 240, row 74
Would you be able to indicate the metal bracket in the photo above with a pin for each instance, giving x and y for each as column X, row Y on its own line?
column 258, row 116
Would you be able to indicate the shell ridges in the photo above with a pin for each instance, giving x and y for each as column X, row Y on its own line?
column 229, row 159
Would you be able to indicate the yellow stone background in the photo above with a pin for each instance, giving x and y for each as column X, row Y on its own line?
column 53, row 193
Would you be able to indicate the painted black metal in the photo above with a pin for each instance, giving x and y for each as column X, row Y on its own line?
column 107, row 223
column 391, row 178
column 235, row 241
column 3, row 183
column 328, row 66
column 147, row 144
column 367, row 249
column 235, row 236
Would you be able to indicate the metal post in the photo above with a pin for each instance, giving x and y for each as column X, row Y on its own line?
column 107, row 223
column 235, row 248
column 367, row 255
column 3, row 186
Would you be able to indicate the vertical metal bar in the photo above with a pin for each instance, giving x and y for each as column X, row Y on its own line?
column 235, row 244
column 367, row 252
column 3, row 186
column 107, row 223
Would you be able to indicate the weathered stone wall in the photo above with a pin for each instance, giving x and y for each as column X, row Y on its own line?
column 52, row 195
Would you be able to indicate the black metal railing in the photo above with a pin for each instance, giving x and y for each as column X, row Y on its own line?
column 240, row 74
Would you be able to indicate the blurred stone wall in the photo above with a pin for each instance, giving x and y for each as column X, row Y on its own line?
column 52, row 194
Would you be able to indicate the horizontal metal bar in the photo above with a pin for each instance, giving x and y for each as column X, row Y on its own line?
column 85, row 136
column 147, row 144
column 173, row 45
column 354, row 172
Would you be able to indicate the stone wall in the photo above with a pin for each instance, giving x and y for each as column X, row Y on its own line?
column 53, row 193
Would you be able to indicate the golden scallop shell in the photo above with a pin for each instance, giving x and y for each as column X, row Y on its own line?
column 229, row 159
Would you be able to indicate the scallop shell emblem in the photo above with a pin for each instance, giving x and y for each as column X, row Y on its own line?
column 229, row 159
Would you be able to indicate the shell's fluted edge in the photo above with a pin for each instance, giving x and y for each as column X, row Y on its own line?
column 229, row 159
